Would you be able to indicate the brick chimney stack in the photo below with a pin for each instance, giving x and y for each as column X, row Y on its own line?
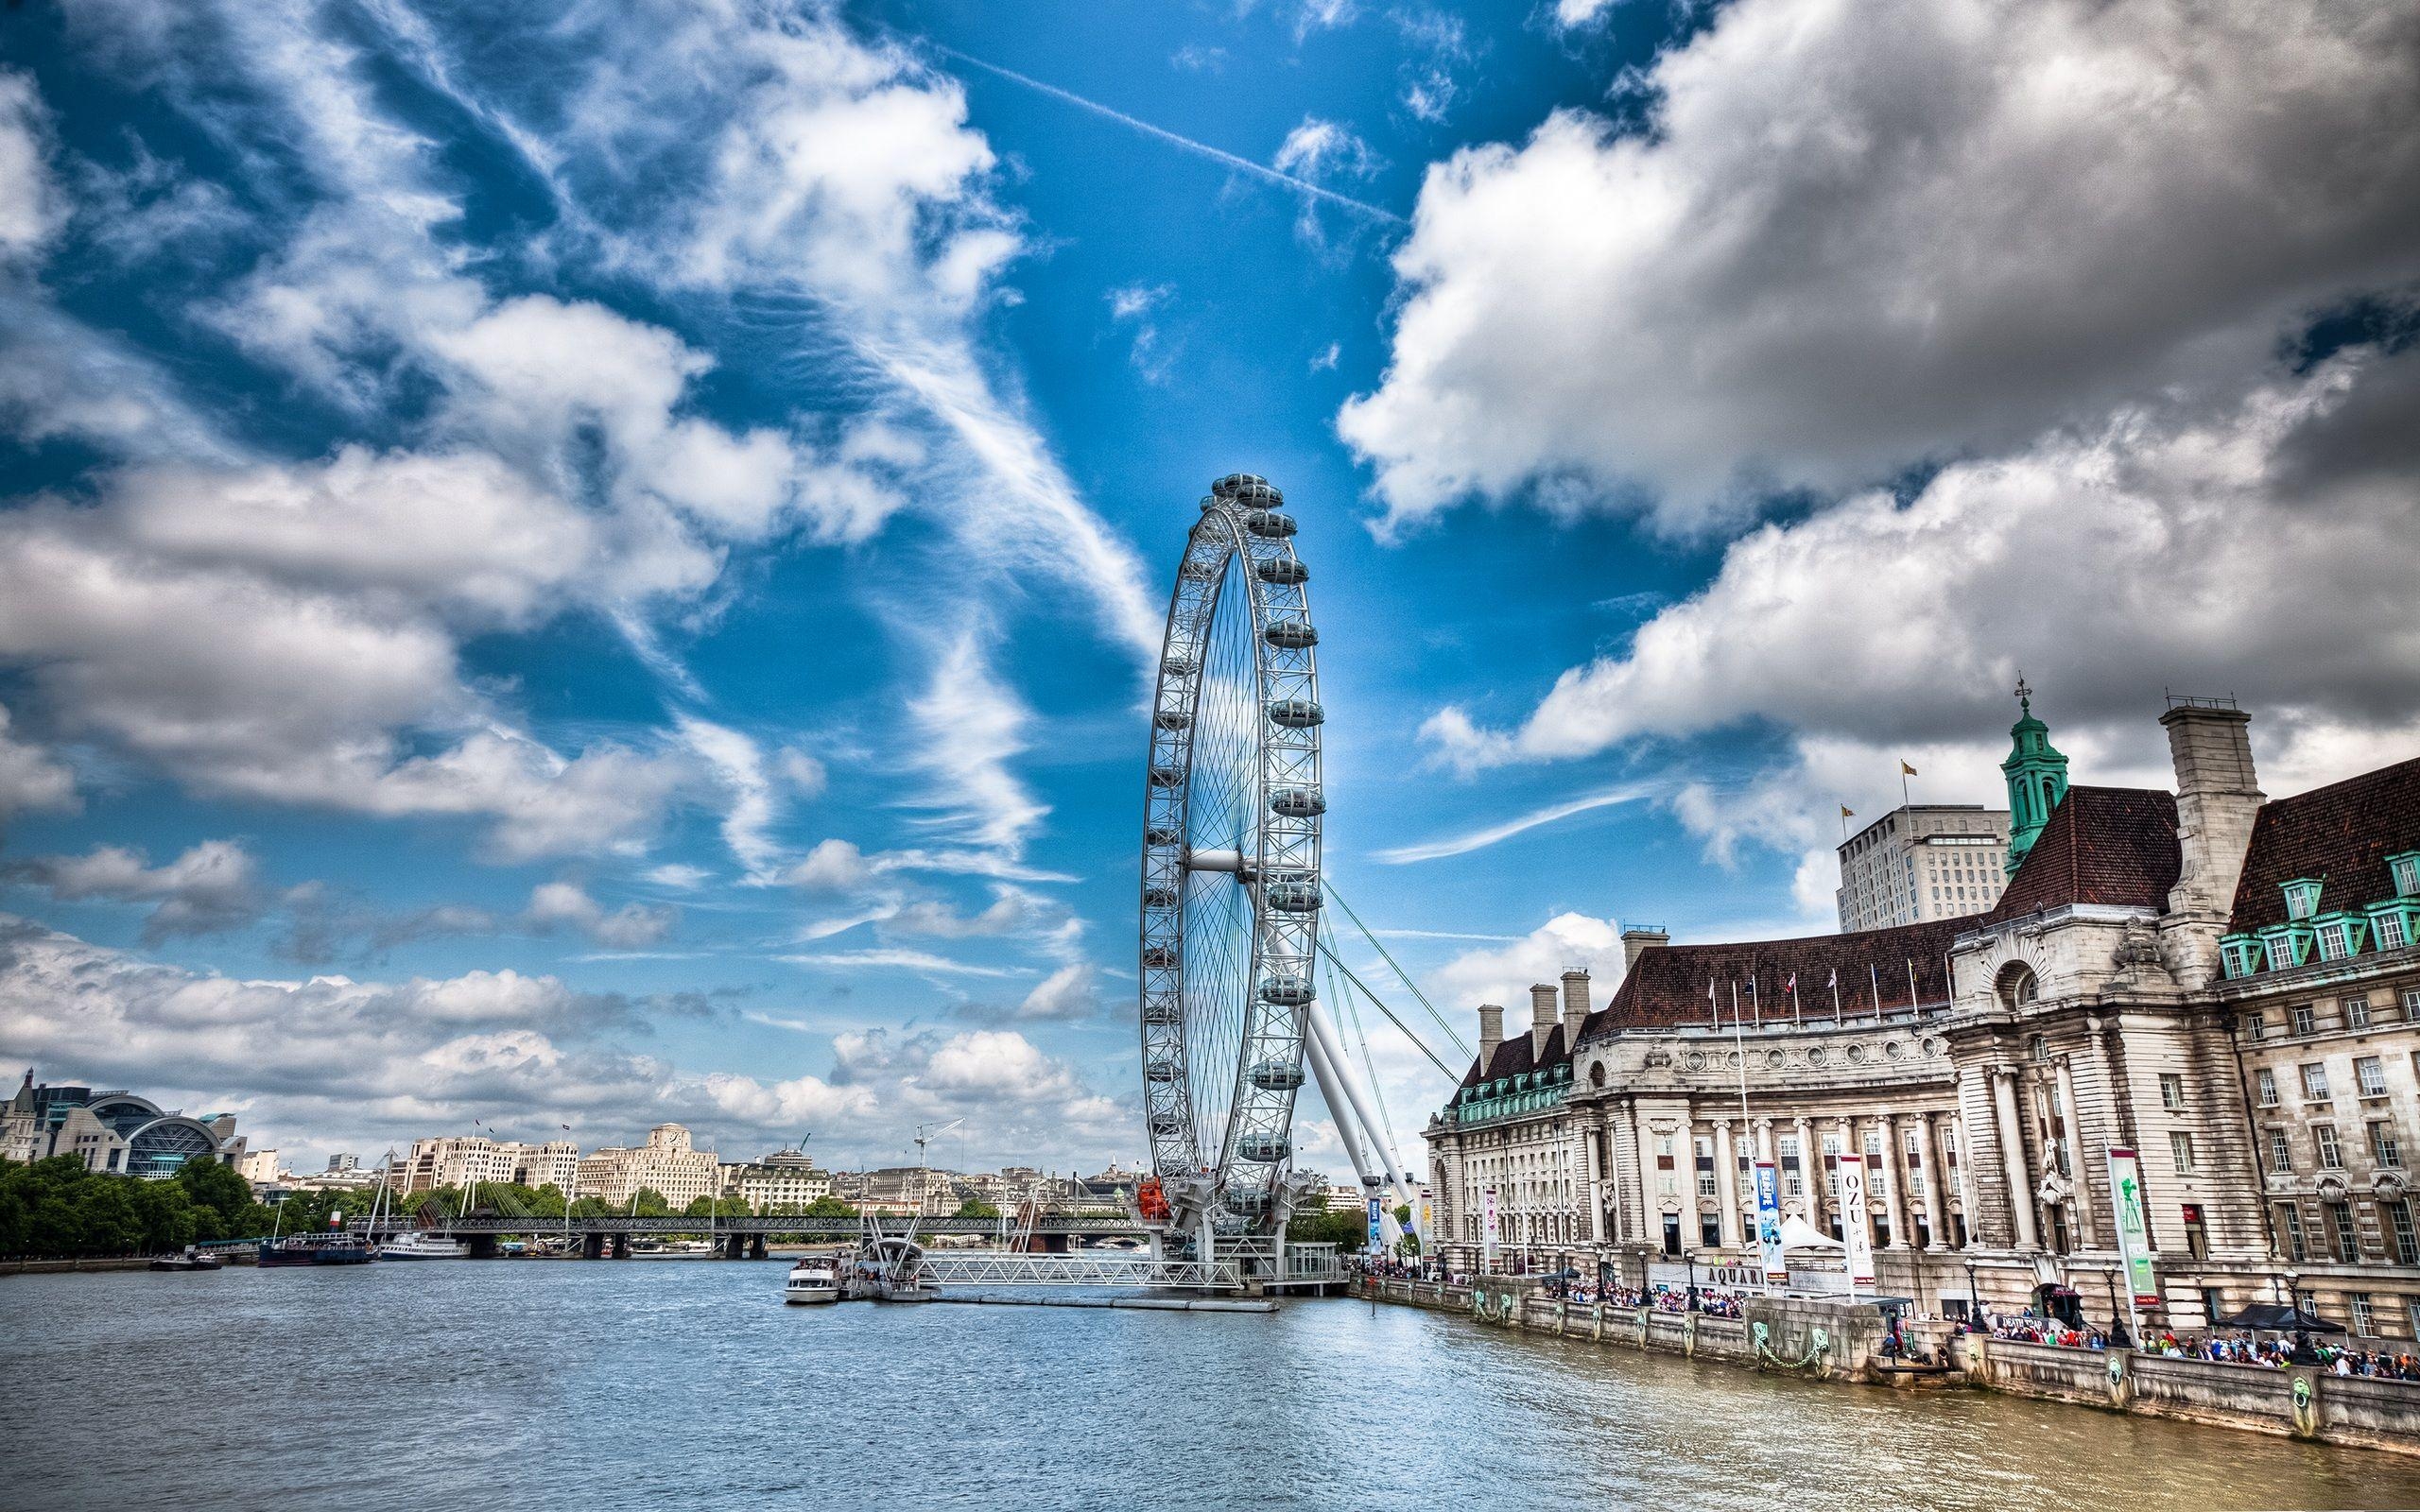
column 2218, row 795
column 1637, row 940
column 1545, row 1013
column 1575, row 999
column 1491, row 1033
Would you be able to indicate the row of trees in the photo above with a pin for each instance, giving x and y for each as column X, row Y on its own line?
column 56, row 1209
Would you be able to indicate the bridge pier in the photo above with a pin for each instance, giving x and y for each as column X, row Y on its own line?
column 621, row 1246
column 756, row 1247
column 734, row 1246
column 592, row 1246
column 482, row 1245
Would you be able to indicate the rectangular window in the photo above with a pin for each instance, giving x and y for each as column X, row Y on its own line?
column 2341, row 1234
column 2302, row 898
column 2369, row 1074
column 2406, row 1237
column 2407, row 875
column 2389, row 932
column 2315, row 1082
column 2171, row 1090
column 2196, row 1232
column 2282, row 953
column 2331, row 1155
column 2265, row 1082
column 2332, row 944
column 2257, row 1027
column 2366, row 1318
column 2385, row 1149
column 2305, row 1020
column 2357, row 1012
column 2180, row 1144
column 2290, row 1222
column 2281, row 1153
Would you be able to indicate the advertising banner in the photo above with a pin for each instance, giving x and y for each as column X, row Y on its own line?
column 1487, row 1227
column 1378, row 1224
column 1422, row 1214
column 2133, row 1226
column 1768, row 1224
column 1854, row 1233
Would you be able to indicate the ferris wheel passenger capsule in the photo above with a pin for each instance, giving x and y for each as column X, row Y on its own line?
column 1286, row 991
column 1296, row 714
column 1265, row 1148
column 1286, row 570
column 1297, row 802
column 1277, row 1075
column 1292, row 635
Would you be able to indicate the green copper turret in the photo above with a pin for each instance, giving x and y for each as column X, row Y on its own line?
column 2037, row 778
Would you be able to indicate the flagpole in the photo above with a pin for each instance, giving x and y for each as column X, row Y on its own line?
column 1913, row 1011
column 1797, row 1007
column 1836, row 994
column 1755, row 1000
column 1874, row 979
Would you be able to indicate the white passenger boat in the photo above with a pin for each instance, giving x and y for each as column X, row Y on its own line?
column 891, row 1268
column 812, row 1281
column 418, row 1244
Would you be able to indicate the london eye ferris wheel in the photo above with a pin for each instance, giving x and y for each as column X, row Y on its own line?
column 1230, row 884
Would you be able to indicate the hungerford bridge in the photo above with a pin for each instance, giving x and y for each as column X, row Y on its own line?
column 1237, row 958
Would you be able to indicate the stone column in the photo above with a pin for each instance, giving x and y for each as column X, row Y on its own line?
column 2012, row 1141
column 1895, row 1205
column 2072, row 1123
column 1936, row 1180
column 1810, row 1171
column 1645, row 1159
column 1726, row 1185
column 1590, row 1181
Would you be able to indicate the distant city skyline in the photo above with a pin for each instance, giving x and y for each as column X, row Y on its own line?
column 544, row 584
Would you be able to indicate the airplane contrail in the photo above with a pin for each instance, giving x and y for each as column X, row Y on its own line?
column 1185, row 143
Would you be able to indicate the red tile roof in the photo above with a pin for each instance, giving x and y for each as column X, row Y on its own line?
column 2340, row 834
column 1667, row 985
column 2103, row 845
column 1513, row 1057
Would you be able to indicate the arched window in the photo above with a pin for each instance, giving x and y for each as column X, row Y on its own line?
column 2016, row 986
column 1597, row 1075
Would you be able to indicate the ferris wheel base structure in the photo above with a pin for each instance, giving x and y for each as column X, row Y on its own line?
column 1229, row 938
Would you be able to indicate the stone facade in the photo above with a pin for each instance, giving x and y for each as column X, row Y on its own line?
column 665, row 1165
column 2111, row 997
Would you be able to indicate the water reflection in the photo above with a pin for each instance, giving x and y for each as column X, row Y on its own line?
column 633, row 1385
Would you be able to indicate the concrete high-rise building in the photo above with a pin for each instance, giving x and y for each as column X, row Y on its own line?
column 1923, row 862
column 665, row 1165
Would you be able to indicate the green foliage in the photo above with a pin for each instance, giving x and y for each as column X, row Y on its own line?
column 1340, row 1226
column 57, row 1208
column 830, row 1208
column 717, row 1206
column 976, row 1208
column 649, row 1203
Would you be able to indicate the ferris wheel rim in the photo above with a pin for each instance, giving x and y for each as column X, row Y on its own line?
column 1243, row 540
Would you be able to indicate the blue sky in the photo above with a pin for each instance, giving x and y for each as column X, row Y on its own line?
column 594, row 568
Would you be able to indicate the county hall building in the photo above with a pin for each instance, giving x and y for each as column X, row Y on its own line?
column 2224, row 984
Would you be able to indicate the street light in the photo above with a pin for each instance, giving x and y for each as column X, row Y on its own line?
column 1690, row 1259
column 2117, row 1339
column 1974, row 1297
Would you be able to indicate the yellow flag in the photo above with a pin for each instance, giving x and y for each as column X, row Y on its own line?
column 1907, row 770
column 1847, row 813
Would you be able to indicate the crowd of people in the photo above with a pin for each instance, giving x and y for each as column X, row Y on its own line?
column 2270, row 1352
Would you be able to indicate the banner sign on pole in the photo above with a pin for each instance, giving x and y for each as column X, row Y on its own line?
column 1423, row 1213
column 1487, row 1227
column 1377, row 1213
column 1768, row 1224
column 2133, row 1228
column 1854, row 1233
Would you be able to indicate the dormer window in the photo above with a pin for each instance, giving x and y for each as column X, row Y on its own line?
column 2407, row 873
column 2334, row 941
column 2302, row 897
column 2239, row 957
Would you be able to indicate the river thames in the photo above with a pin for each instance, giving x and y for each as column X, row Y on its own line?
column 650, row 1383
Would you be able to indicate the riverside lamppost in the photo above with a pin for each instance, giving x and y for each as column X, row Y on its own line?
column 1974, row 1295
column 1690, row 1259
column 2117, row 1339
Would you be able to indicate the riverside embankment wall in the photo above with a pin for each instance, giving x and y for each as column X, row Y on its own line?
column 1842, row 1342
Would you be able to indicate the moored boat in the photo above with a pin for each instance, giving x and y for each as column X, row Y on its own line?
column 420, row 1243
column 811, row 1281
column 192, row 1258
column 317, row 1250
